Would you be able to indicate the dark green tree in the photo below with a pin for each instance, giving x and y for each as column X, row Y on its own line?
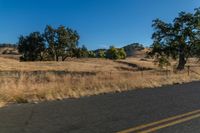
column 31, row 47
column 62, row 42
column 50, row 37
column 179, row 40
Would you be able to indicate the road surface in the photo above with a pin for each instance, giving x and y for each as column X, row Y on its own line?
column 170, row 109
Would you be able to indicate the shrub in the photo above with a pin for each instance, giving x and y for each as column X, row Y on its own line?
column 114, row 53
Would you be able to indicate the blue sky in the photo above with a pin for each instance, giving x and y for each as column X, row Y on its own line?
column 100, row 23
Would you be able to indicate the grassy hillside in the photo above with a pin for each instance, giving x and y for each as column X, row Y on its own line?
column 41, row 81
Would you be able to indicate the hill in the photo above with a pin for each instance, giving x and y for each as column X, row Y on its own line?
column 9, row 51
column 133, row 49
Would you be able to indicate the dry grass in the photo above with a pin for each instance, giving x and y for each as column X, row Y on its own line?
column 77, row 65
column 79, row 77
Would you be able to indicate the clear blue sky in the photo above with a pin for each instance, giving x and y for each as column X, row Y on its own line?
column 100, row 23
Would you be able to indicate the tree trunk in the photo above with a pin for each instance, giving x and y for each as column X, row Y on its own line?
column 63, row 58
column 54, row 54
column 182, row 59
column 57, row 58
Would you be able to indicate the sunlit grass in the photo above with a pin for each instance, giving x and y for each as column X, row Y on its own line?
column 82, row 77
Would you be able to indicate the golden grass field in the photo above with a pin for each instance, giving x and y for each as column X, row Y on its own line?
column 22, row 82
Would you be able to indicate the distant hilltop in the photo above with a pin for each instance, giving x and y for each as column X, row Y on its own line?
column 7, row 48
column 135, row 50
column 132, row 50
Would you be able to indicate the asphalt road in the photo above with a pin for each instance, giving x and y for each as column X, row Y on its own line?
column 109, row 113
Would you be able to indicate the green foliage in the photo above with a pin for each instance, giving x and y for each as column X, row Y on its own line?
column 114, row 53
column 121, row 54
column 83, row 52
column 101, row 54
column 31, row 47
column 178, row 40
column 163, row 62
column 62, row 42
column 91, row 54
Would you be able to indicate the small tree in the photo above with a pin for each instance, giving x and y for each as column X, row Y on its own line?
column 163, row 62
column 121, row 54
column 31, row 47
column 91, row 54
column 101, row 54
column 114, row 53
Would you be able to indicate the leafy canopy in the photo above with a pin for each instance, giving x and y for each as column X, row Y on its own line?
column 179, row 39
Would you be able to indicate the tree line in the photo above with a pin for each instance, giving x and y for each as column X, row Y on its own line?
column 58, row 44
column 3, row 45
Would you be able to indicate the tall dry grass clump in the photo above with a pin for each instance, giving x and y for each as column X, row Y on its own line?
column 54, row 87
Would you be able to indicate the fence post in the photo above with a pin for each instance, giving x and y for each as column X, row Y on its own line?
column 188, row 70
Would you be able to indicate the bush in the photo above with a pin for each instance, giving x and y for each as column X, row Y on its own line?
column 114, row 53
column 121, row 54
column 91, row 54
column 163, row 62
column 101, row 54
